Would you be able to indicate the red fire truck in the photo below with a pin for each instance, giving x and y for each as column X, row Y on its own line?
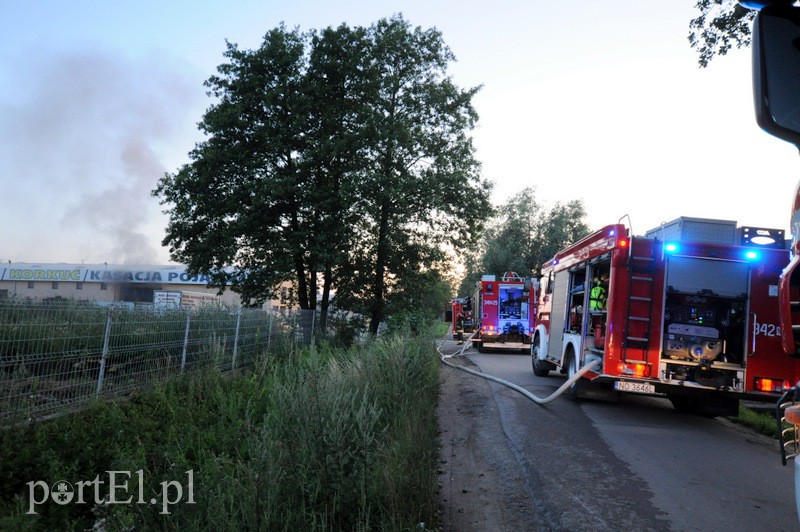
column 684, row 311
column 462, row 306
column 503, row 312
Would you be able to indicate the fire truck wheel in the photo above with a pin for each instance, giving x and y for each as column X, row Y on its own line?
column 571, row 363
column 541, row 368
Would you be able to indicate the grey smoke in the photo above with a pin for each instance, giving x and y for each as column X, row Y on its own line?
column 85, row 140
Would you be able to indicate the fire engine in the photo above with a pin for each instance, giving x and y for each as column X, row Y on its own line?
column 685, row 311
column 463, row 307
column 503, row 312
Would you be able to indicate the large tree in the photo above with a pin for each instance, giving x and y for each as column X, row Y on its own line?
column 337, row 82
column 523, row 235
column 236, row 210
column 514, row 239
column 421, row 184
column 268, row 196
column 342, row 155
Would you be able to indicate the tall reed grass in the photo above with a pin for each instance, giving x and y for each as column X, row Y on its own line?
column 320, row 439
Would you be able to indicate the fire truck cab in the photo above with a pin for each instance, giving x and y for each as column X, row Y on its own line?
column 685, row 311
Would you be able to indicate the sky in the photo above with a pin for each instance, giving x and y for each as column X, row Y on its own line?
column 598, row 101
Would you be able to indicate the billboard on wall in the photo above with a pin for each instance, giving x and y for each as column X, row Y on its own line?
column 181, row 299
column 101, row 273
column 198, row 299
column 166, row 299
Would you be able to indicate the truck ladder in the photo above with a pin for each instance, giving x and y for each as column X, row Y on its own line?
column 640, row 301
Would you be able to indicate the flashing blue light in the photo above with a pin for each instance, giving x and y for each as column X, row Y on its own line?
column 612, row 233
column 671, row 247
column 751, row 255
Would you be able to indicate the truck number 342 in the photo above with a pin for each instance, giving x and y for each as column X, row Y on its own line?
column 766, row 329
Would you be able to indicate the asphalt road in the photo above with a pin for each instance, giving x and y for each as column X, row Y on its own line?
column 636, row 464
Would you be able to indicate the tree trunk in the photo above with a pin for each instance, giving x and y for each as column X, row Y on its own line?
column 302, row 284
column 381, row 258
column 312, row 301
column 325, row 302
column 312, row 287
column 300, row 270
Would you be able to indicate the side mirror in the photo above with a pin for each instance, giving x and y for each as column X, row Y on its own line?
column 776, row 71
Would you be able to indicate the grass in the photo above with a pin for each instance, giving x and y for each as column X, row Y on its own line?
column 441, row 329
column 762, row 422
column 320, row 439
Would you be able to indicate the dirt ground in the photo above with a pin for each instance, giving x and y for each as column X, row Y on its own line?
column 479, row 487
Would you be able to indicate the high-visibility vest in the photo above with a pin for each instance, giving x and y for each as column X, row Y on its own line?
column 597, row 298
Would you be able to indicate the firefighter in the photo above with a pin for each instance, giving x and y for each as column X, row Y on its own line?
column 460, row 328
column 469, row 326
column 598, row 295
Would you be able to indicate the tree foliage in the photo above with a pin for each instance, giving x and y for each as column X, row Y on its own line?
column 423, row 188
column 238, row 203
column 339, row 157
column 721, row 25
column 523, row 235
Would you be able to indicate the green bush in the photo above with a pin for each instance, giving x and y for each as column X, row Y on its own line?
column 321, row 439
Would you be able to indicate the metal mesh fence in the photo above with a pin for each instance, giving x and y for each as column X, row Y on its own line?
column 54, row 357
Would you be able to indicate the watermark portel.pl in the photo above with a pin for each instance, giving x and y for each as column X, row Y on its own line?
column 63, row 492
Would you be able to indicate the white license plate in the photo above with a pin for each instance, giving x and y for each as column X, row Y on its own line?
column 635, row 387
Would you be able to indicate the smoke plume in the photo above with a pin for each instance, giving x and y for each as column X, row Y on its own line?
column 85, row 139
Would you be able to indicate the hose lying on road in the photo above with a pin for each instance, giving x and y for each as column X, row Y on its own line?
column 538, row 400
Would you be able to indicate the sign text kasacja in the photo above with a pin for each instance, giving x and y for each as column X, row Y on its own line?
column 102, row 276
column 145, row 277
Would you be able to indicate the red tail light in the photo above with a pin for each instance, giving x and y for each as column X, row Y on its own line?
column 765, row 384
column 637, row 370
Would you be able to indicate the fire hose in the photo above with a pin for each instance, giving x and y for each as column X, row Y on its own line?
column 538, row 400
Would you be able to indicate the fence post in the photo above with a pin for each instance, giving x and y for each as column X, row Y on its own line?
column 269, row 331
column 105, row 355
column 185, row 342
column 236, row 338
column 313, row 320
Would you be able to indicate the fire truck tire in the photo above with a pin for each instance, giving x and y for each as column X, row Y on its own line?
column 541, row 368
column 571, row 365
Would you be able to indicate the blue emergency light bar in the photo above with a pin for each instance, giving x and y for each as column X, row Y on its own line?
column 751, row 255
